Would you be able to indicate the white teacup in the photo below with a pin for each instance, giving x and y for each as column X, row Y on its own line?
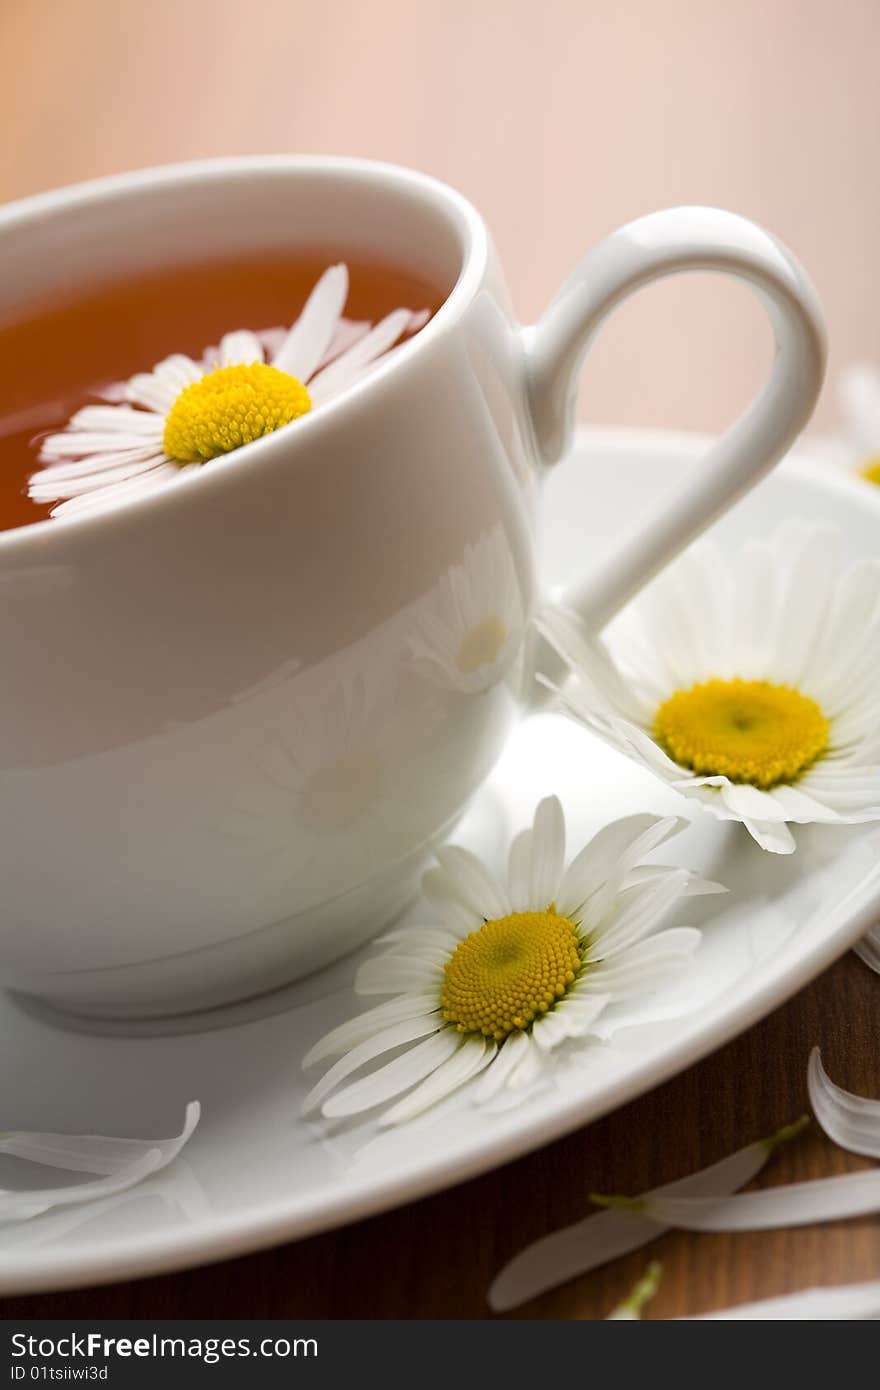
column 237, row 714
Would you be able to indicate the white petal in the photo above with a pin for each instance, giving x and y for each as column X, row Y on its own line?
column 177, row 372
column 847, row 791
column 636, row 912
column 580, row 1011
column 92, row 475
column 570, row 1019
column 847, row 1302
column 365, row 1025
column 600, row 860
column 407, row 1031
column 471, row 1058
column 797, row 806
column 705, row 584
column 548, row 1032
column 123, row 1162
column 432, row 938
column 148, row 390
column 776, row 838
column 347, row 333
column 658, row 830
column 548, row 853
column 395, row 1077
column 598, row 678
column 756, row 584
column 348, row 365
column 851, row 1121
column 510, row 1055
column 695, row 886
column 798, row 1204
column 115, row 419
column 636, row 743
column 271, row 340
column 439, row 888
column 397, row 974
column 528, row 1067
column 846, row 642
column 311, row 335
column 666, row 617
column 519, row 865
column 159, row 475
column 809, row 586
column 642, row 967
column 70, row 453
column 240, row 348
column 587, row 1244
column 751, row 803
column 92, row 1153
column 471, row 883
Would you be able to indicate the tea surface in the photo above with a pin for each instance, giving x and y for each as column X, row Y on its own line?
column 56, row 358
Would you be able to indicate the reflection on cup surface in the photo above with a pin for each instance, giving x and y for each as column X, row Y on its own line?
column 262, row 694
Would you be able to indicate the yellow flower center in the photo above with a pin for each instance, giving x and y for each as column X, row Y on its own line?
column 871, row 469
column 481, row 645
column 749, row 731
column 509, row 971
column 229, row 407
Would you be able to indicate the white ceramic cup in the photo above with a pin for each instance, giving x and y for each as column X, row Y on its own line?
column 237, row 714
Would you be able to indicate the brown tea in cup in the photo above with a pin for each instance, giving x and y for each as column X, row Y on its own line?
column 59, row 357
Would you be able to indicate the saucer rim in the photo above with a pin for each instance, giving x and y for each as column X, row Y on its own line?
column 303, row 1215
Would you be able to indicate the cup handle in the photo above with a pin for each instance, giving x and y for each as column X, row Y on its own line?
column 666, row 243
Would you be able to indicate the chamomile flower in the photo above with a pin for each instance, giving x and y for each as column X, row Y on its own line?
column 859, row 393
column 470, row 625
column 184, row 414
column 514, row 970
column 749, row 686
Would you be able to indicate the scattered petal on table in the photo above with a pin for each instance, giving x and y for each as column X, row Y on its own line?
column 595, row 1241
column 851, row 1121
column 850, row 1302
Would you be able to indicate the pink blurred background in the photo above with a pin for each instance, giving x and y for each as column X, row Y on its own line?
column 560, row 119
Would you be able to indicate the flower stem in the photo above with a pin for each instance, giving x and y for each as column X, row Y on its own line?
column 640, row 1294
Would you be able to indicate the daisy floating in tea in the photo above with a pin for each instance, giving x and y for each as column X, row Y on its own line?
column 185, row 413
column 749, row 685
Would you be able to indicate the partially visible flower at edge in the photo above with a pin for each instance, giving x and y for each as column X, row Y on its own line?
column 859, row 395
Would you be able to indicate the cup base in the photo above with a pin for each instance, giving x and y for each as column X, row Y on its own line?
column 225, row 984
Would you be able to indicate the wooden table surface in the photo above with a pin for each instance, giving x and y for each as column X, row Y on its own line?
column 436, row 1258
column 560, row 123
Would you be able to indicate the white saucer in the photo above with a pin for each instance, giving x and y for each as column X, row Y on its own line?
column 254, row 1174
